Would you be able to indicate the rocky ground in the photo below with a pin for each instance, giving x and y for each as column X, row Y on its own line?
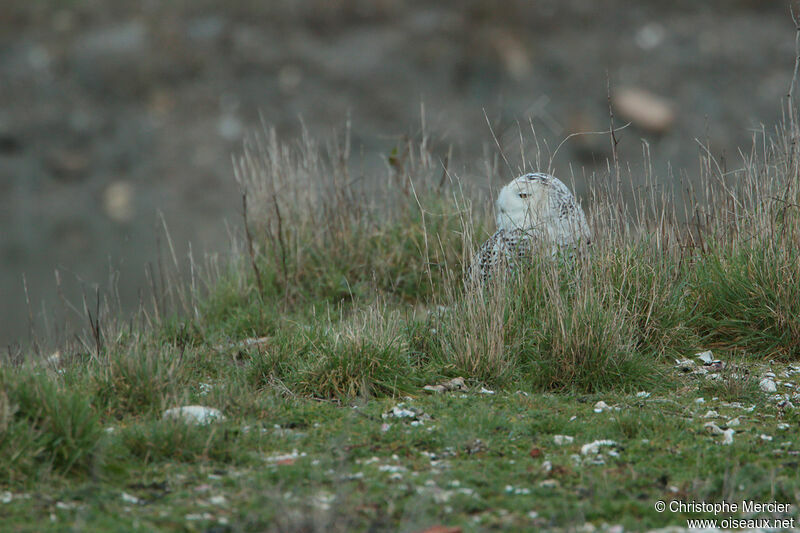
column 111, row 112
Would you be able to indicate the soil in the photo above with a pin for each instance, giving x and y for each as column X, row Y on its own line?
column 114, row 112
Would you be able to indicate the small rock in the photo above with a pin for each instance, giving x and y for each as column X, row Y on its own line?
column 594, row 447
column 644, row 109
column 733, row 422
column 547, row 467
column 535, row 452
column 711, row 414
column 218, row 500
column 783, row 425
column 414, row 415
column 713, row 428
column 453, row 384
column 517, row 490
column 767, row 385
column 485, row 391
column 705, row 357
column 649, row 36
column 118, row 202
column 601, row 406
column 727, row 437
column 562, row 439
column 642, row 394
column 685, row 365
column 129, row 498
column 766, row 438
column 194, row 414
column 198, row 516
column 549, row 484
column 284, row 459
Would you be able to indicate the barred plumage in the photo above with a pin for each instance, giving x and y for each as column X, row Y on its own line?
column 534, row 212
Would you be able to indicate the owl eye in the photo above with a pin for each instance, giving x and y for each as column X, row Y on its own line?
column 523, row 195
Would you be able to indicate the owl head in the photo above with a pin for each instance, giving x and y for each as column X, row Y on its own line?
column 523, row 203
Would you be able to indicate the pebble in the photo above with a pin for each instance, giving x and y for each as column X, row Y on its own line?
column 194, row 414
column 767, row 385
column 562, row 439
column 644, row 109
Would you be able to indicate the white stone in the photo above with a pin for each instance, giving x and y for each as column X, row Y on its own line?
column 727, row 437
column 601, row 406
column 218, row 500
column 129, row 498
column 705, row 357
column 562, row 439
column 767, row 385
column 594, row 447
column 194, row 414
column 645, row 109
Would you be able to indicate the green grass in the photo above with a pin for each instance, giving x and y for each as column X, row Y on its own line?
column 350, row 474
column 750, row 297
column 336, row 306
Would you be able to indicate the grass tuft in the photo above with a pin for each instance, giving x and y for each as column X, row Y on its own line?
column 44, row 429
column 749, row 298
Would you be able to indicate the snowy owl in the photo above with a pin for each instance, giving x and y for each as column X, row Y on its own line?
column 533, row 210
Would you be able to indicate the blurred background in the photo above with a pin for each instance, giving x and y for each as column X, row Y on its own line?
column 114, row 111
